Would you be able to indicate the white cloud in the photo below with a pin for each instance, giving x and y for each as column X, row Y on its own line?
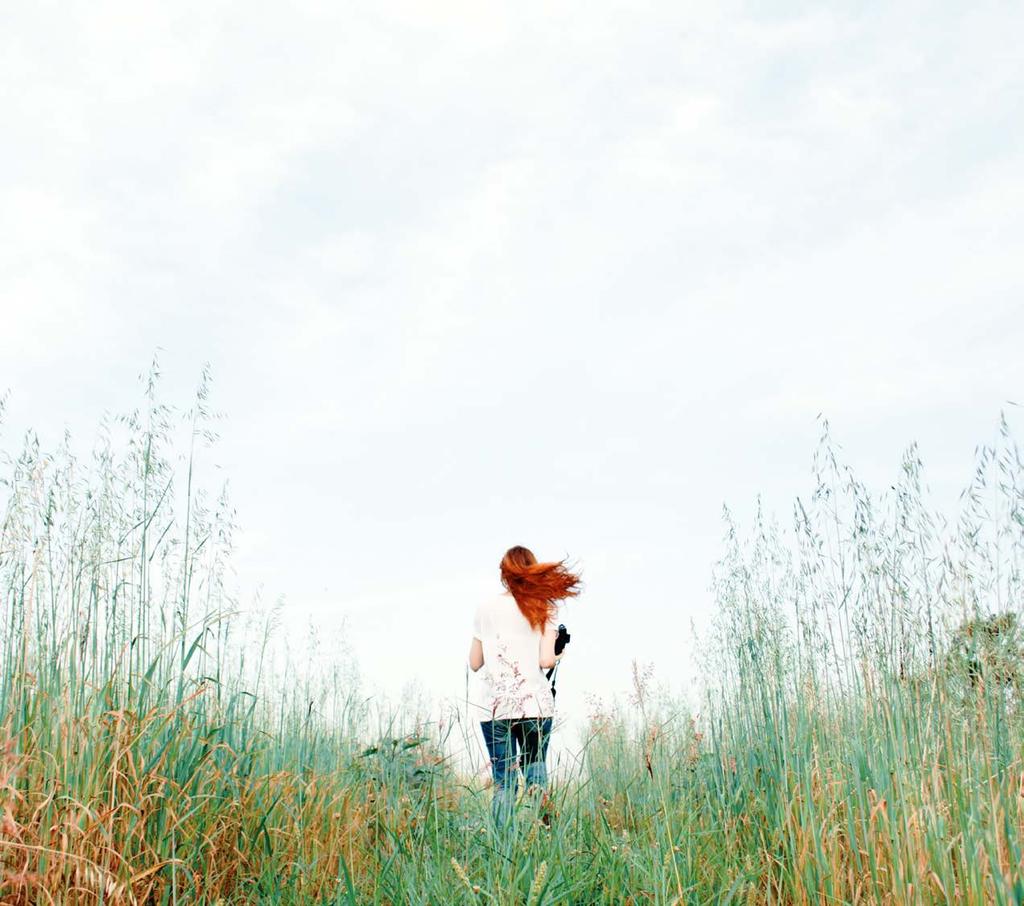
column 557, row 273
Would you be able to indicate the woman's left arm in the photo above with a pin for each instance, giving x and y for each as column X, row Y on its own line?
column 476, row 655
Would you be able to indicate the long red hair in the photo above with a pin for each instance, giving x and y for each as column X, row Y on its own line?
column 537, row 587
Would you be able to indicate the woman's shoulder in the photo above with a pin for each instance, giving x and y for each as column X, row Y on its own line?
column 499, row 600
column 495, row 604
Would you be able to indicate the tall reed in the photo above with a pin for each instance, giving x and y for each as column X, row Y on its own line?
column 860, row 740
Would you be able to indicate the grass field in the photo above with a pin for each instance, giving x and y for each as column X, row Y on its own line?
column 860, row 740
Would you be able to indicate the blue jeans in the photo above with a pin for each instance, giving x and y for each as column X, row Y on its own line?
column 528, row 735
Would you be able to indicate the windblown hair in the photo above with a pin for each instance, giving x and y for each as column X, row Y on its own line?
column 537, row 587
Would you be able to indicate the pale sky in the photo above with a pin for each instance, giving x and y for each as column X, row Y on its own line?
column 471, row 275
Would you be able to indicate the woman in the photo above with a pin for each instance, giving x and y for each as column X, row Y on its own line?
column 514, row 639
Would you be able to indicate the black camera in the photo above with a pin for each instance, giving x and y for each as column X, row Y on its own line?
column 562, row 639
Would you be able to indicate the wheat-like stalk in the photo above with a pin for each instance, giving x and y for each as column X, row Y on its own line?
column 538, row 884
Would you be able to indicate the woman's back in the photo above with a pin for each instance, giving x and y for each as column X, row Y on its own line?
column 515, row 684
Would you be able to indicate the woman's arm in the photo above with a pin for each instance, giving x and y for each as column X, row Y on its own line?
column 476, row 655
column 547, row 647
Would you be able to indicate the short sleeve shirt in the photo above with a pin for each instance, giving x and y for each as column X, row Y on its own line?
column 514, row 685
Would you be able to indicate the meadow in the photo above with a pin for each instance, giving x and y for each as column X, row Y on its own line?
column 859, row 741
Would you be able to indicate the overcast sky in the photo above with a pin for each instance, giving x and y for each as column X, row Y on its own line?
column 471, row 275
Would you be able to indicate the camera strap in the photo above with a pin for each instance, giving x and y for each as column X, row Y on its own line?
column 552, row 675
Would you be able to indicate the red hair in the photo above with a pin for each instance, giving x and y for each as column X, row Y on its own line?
column 537, row 586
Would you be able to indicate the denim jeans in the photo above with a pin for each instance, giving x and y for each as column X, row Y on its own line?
column 504, row 738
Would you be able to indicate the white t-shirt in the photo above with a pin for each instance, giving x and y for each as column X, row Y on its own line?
column 513, row 683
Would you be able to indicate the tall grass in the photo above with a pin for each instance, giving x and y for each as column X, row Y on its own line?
column 860, row 741
column 867, row 725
